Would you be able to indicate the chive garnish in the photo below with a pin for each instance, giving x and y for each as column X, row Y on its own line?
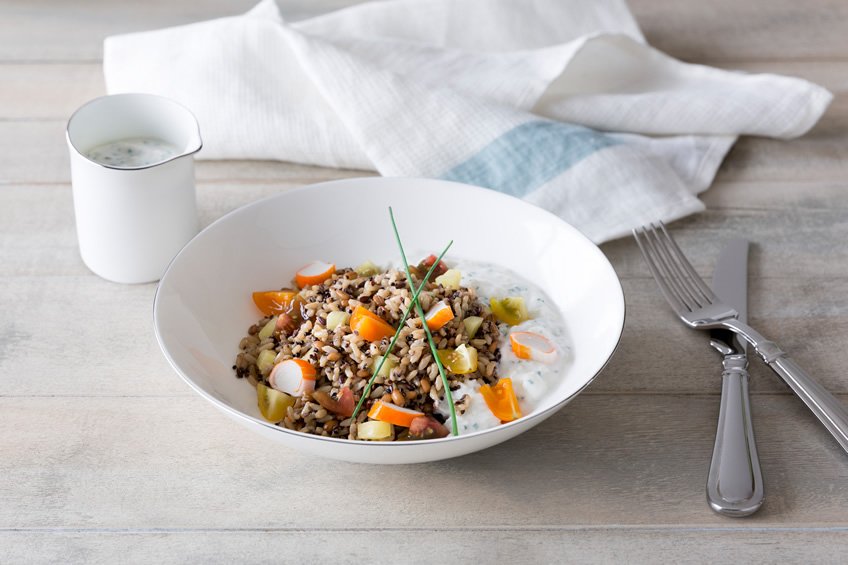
column 420, row 310
column 385, row 356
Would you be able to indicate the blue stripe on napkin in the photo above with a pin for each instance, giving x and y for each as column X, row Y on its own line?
column 528, row 156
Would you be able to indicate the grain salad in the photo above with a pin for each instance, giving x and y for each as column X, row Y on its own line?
column 318, row 357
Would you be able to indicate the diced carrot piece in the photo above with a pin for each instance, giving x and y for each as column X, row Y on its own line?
column 293, row 376
column 393, row 414
column 439, row 315
column 315, row 272
column 530, row 345
column 369, row 325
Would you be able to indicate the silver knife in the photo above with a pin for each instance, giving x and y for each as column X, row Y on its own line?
column 735, row 481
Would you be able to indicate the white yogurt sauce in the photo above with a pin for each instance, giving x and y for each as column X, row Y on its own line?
column 133, row 152
column 531, row 379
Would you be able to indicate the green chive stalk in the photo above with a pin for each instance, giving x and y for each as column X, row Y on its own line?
column 448, row 395
column 403, row 319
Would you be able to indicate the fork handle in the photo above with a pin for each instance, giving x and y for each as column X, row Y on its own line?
column 735, row 481
column 830, row 411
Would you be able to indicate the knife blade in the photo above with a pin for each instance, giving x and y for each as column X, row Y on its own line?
column 730, row 283
column 734, row 483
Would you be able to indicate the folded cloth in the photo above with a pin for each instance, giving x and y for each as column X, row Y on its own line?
column 559, row 102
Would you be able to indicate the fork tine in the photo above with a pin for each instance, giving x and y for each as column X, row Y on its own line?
column 672, row 272
column 691, row 296
column 684, row 262
column 671, row 295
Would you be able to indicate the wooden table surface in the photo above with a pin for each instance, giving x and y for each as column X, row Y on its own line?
column 105, row 453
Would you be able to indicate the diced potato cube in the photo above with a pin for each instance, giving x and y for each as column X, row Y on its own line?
column 268, row 329
column 450, row 279
column 472, row 325
column 265, row 361
column 374, row 430
column 387, row 367
column 367, row 269
column 336, row 319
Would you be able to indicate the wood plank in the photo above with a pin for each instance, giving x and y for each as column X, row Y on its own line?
column 658, row 353
column 677, row 545
column 819, row 155
column 48, row 90
column 60, row 31
column 628, row 460
column 38, row 236
column 721, row 30
column 724, row 30
column 776, row 195
column 789, row 243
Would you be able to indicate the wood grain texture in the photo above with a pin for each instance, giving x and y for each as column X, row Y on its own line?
column 725, row 30
column 719, row 30
column 346, row 547
column 56, row 31
column 47, row 90
column 176, row 463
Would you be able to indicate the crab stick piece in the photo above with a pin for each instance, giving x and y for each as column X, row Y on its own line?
column 393, row 414
column 293, row 376
column 439, row 315
column 315, row 272
column 369, row 325
column 530, row 345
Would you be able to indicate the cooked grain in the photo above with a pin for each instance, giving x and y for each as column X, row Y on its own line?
column 344, row 359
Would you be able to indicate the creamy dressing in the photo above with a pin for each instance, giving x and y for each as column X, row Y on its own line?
column 531, row 379
column 133, row 152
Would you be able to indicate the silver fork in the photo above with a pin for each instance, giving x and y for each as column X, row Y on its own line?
column 699, row 308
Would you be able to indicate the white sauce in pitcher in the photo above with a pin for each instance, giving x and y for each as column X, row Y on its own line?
column 133, row 152
column 531, row 379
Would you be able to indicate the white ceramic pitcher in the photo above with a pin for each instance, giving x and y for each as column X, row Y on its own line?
column 131, row 221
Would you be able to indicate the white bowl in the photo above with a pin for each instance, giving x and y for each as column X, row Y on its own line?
column 203, row 305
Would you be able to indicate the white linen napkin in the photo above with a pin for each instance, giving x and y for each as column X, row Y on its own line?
column 508, row 94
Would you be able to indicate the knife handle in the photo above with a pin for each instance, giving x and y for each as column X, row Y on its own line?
column 735, row 481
